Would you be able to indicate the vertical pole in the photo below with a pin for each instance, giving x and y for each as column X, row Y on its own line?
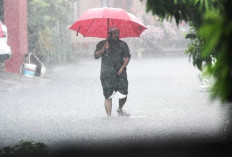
column 15, row 18
column 107, row 27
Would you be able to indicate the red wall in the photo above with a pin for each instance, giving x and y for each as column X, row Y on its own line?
column 15, row 19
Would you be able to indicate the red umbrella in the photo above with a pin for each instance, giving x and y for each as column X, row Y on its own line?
column 95, row 23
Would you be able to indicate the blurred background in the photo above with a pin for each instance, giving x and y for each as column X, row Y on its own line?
column 51, row 40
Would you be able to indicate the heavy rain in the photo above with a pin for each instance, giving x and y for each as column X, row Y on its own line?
column 52, row 91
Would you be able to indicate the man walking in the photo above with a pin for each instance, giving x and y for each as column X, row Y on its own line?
column 115, row 56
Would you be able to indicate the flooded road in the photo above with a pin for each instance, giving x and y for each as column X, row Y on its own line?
column 166, row 101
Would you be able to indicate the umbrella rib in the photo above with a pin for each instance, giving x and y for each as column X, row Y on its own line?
column 134, row 29
column 89, row 27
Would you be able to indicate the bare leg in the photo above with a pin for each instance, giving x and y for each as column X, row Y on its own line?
column 108, row 106
column 122, row 102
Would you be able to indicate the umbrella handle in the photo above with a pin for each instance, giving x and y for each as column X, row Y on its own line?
column 78, row 30
column 108, row 21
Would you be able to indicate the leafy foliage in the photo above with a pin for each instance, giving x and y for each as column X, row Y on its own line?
column 47, row 29
column 211, row 22
column 2, row 10
column 25, row 149
column 181, row 10
column 217, row 34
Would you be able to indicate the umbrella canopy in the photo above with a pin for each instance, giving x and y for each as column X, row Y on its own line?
column 96, row 22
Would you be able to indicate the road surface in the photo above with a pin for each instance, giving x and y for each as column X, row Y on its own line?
column 166, row 102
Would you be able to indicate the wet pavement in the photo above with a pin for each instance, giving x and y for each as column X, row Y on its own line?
column 166, row 102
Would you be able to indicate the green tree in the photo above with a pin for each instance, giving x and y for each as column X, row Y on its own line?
column 1, row 10
column 26, row 149
column 48, row 33
column 211, row 22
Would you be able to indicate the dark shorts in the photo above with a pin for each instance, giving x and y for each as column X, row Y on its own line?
column 111, row 83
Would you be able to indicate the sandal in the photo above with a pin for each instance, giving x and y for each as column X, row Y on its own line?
column 122, row 113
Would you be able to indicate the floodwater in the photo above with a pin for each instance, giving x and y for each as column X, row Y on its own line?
column 166, row 101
